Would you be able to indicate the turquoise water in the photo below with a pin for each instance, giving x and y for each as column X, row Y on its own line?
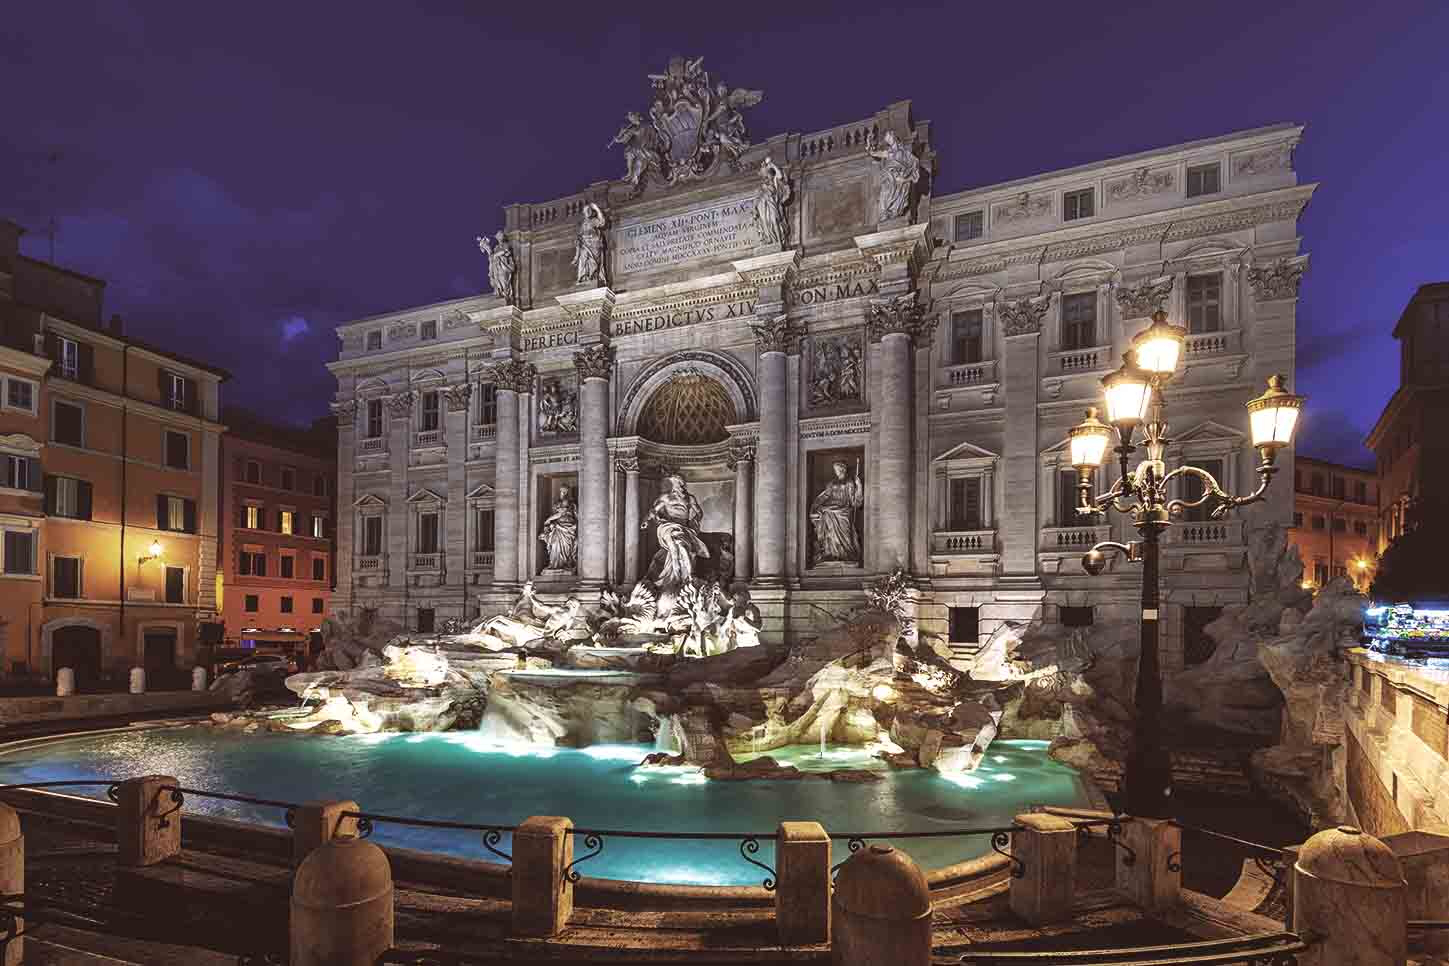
column 456, row 776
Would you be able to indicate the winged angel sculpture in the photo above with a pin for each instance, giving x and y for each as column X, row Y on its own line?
column 693, row 124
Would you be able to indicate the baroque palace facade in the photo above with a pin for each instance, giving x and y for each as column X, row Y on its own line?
column 849, row 373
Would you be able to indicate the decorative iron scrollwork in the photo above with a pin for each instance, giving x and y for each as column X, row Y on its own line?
column 999, row 843
column 591, row 841
column 491, row 838
column 177, row 800
column 364, row 827
column 855, row 843
column 750, row 846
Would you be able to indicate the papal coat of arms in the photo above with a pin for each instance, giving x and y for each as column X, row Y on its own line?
column 693, row 125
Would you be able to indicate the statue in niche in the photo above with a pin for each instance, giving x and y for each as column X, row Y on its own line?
column 501, row 266
column 588, row 258
column 836, row 371
column 900, row 169
column 770, row 201
column 560, row 534
column 832, row 516
column 558, row 409
column 676, row 516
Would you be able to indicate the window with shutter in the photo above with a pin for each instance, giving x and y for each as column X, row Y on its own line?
column 1079, row 320
column 319, row 568
column 175, row 585
column 67, row 424
column 65, row 580
column 178, row 450
column 188, row 513
column 19, row 552
column 966, row 504
column 288, row 566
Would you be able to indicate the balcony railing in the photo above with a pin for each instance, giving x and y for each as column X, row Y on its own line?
column 1074, row 361
column 954, row 543
column 1212, row 343
column 374, row 444
column 369, row 564
column 1209, row 533
column 484, row 433
column 968, row 374
column 427, row 438
column 480, row 560
column 426, row 562
column 1073, row 539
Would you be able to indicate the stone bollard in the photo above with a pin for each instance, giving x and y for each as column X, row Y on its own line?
column 12, row 878
column 342, row 905
column 880, row 914
column 802, row 896
column 543, row 896
column 317, row 823
column 1349, row 899
column 64, row 682
column 1149, row 869
column 148, row 823
column 1046, row 847
column 1424, row 857
column 138, row 680
column 198, row 678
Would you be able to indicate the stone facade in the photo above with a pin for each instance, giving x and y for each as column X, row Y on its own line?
column 1335, row 522
column 940, row 356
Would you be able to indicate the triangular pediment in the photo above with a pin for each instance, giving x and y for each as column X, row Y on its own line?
column 1208, row 430
column 480, row 492
column 965, row 451
column 369, row 500
column 426, row 495
column 429, row 375
column 1062, row 445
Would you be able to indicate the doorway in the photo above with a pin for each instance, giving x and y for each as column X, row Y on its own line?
column 160, row 659
column 78, row 648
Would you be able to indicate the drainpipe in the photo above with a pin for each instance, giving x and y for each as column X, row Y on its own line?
column 125, row 422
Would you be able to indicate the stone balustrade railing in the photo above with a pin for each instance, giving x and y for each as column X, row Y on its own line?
column 1081, row 360
column 947, row 543
column 1201, row 344
column 968, row 374
column 1073, row 539
column 847, row 137
column 484, row 433
column 426, row 438
column 1209, row 533
column 373, row 444
column 425, row 562
column 368, row 564
column 480, row 560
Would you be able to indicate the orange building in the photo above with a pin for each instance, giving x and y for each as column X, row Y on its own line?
column 110, row 548
column 1335, row 521
column 278, row 510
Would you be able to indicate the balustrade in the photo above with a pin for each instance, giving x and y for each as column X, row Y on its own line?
column 481, row 560
column 365, row 564
column 1212, row 343
column 968, row 374
column 1205, row 534
column 963, row 542
column 426, row 562
column 1082, row 360
column 426, row 438
column 1073, row 538
column 373, row 444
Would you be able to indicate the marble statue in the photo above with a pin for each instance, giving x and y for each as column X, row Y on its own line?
column 832, row 515
column 770, row 201
column 741, row 623
column 646, row 146
column 501, row 266
column 529, row 621
column 560, row 534
column 725, row 124
column 588, row 258
column 900, row 169
column 558, row 409
column 675, row 516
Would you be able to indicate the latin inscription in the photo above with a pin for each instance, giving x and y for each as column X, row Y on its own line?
column 534, row 343
column 683, row 317
column 816, row 294
column 714, row 232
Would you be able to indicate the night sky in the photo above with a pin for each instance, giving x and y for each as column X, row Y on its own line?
column 247, row 176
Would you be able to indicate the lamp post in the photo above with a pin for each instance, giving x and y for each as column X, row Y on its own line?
column 1134, row 401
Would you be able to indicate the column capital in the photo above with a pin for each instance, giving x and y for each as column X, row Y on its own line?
column 628, row 465
column 400, row 405
column 1022, row 316
column 345, row 411
column 513, row 375
column 740, row 451
column 1278, row 279
column 903, row 314
column 594, row 362
column 776, row 334
column 458, row 397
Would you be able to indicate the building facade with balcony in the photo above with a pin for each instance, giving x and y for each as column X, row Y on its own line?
column 278, row 516
column 1335, row 521
column 114, row 548
column 936, row 357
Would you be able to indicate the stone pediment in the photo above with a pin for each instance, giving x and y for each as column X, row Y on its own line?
column 1210, row 431
column 480, row 492
column 369, row 500
column 426, row 495
column 965, row 451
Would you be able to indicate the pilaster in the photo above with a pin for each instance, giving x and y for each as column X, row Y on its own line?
column 400, row 425
column 345, row 547
column 1021, row 384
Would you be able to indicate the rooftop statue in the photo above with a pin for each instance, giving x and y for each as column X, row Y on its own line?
column 900, row 169
column 770, row 201
column 501, row 267
column 589, row 247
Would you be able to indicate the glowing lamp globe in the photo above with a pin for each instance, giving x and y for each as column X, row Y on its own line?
column 1129, row 394
column 1088, row 441
column 1273, row 416
column 155, row 549
column 1159, row 346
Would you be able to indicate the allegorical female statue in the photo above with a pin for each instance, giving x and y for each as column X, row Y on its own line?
column 900, row 169
column 832, row 515
column 560, row 534
column 770, row 201
column 501, row 266
column 675, row 516
column 589, row 247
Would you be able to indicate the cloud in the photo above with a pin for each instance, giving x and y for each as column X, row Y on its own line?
column 293, row 327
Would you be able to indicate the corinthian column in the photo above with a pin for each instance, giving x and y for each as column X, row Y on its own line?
column 897, row 323
column 742, row 458
column 594, row 364
column 630, row 466
column 509, row 379
column 774, row 338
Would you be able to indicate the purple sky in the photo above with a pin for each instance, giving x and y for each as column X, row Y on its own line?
column 247, row 176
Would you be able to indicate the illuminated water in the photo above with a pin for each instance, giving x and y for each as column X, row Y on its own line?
column 456, row 776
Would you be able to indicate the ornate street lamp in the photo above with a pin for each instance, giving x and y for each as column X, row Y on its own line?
column 1134, row 396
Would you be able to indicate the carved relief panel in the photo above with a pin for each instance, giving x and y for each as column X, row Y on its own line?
column 835, row 371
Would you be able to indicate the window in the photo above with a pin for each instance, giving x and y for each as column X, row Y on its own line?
column 65, row 577
column 286, row 520
column 431, row 417
column 374, row 418
column 1339, row 488
column 483, row 529
column 252, row 563
column 20, row 394
column 175, row 513
column 372, row 536
column 487, row 404
column 963, row 510
column 254, row 472
column 1320, row 572
column 1079, row 320
column 1318, row 522
column 1077, row 616
column 174, row 391
column 319, row 485
column 374, row 340
column 1297, row 520
column 67, row 424
column 967, row 226
column 317, row 605
column 1077, row 204
column 1360, row 492
column 427, row 533
column 1067, row 515
column 1317, row 487
column 288, row 566
column 19, row 552
column 1204, row 303
column 319, row 527
column 319, row 568
column 69, row 357
column 178, row 450
column 1340, row 525
column 1203, row 179
column 1197, row 646
column 250, row 604
column 66, row 497
column 252, row 517
column 966, row 336
column 289, row 478
column 425, row 620
column 429, row 329
column 20, row 472
column 1193, row 486
column 286, row 605
column 965, row 625
column 175, row 585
